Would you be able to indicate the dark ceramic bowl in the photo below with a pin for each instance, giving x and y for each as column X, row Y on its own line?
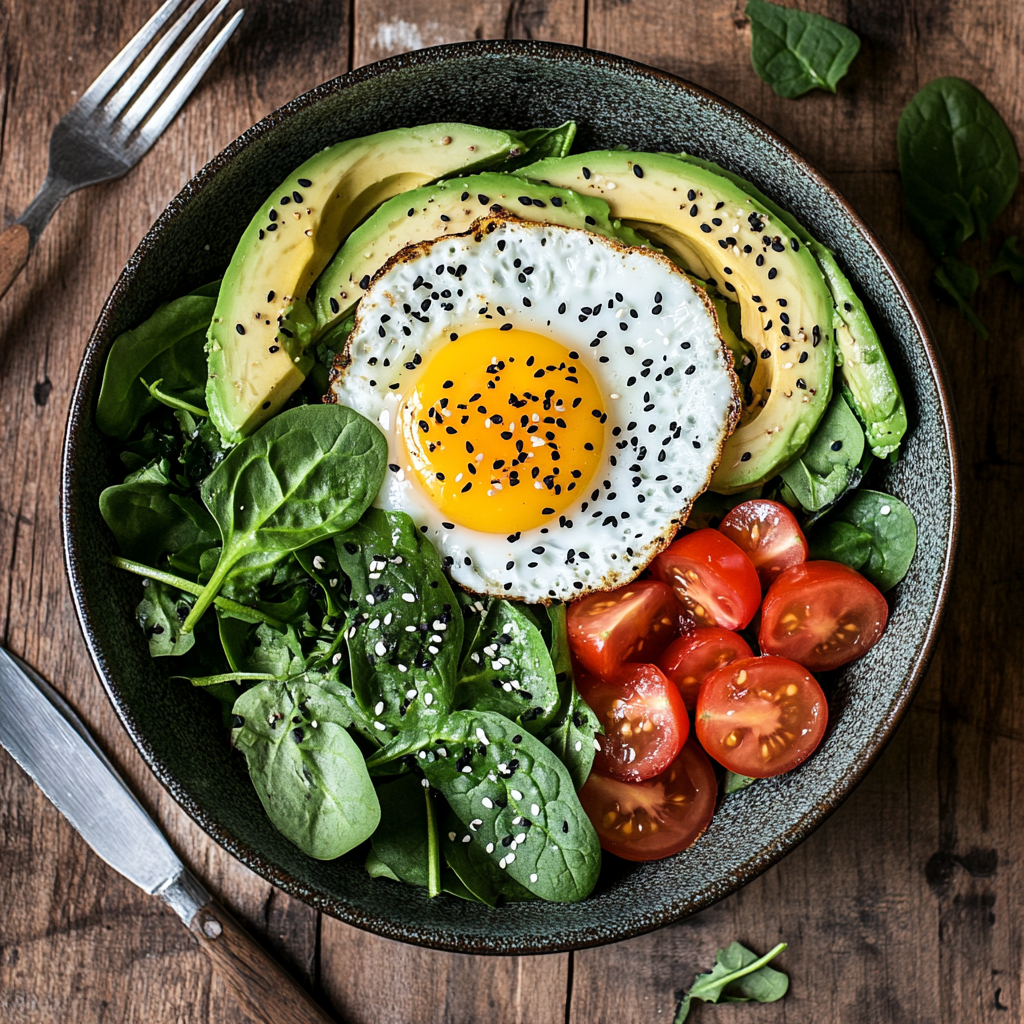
column 614, row 101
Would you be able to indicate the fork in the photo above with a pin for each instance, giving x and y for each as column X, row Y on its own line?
column 107, row 132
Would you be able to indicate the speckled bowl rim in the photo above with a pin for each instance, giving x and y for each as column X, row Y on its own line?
column 582, row 937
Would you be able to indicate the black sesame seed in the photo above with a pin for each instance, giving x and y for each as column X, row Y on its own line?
column 586, row 173
column 836, row 446
column 275, row 348
column 638, row 170
column 239, row 329
column 304, row 183
column 706, row 228
column 772, row 274
column 801, row 383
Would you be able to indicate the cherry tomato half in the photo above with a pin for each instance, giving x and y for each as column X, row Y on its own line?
column 761, row 716
column 644, row 718
column 822, row 615
column 633, row 623
column 689, row 660
column 653, row 819
column 768, row 534
column 712, row 577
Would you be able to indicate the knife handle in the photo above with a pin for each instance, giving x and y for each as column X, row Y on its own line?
column 266, row 992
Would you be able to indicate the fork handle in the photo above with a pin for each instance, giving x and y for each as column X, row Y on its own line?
column 14, row 246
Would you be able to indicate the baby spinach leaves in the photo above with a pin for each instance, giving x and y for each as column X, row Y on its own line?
column 508, row 669
column 827, row 467
column 873, row 533
column 161, row 612
column 401, row 839
column 474, row 868
column 1009, row 261
column 307, row 474
column 307, row 769
column 169, row 346
column 738, row 976
column 518, row 802
column 958, row 161
column 404, row 632
column 795, row 51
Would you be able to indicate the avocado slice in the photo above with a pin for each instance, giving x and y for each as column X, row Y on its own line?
column 449, row 208
column 866, row 376
column 262, row 322
column 733, row 242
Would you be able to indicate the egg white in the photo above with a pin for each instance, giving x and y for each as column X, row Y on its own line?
column 671, row 401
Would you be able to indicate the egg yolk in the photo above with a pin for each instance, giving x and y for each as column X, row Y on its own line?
column 503, row 429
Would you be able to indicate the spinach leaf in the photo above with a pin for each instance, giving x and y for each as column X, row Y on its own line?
column 1009, row 261
column 321, row 564
column 539, row 143
column 958, row 161
column 709, row 508
column 161, row 612
column 823, row 472
column 891, row 534
column 404, row 632
column 170, row 346
column 571, row 734
column 959, row 281
column 306, row 474
column 738, row 976
column 400, row 840
column 518, row 802
column 173, row 401
column 733, row 783
column 794, row 51
column 307, row 770
column 474, row 868
column 508, row 669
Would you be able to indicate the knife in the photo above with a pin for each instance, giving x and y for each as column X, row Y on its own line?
column 45, row 736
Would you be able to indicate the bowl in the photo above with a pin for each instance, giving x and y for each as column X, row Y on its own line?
column 509, row 84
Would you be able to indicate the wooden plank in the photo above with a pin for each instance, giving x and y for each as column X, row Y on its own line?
column 78, row 942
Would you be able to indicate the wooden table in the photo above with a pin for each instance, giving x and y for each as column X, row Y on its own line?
column 906, row 906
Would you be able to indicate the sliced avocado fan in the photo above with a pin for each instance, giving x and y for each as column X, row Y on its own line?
column 729, row 239
column 866, row 376
column 262, row 323
column 448, row 208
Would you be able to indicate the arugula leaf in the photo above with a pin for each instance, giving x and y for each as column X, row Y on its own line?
column 833, row 454
column 890, row 532
column 161, row 613
column 959, row 281
column 170, row 346
column 518, row 802
column 794, row 51
column 307, row 770
column 958, row 162
column 508, row 669
column 306, row 474
column 404, row 633
column 738, row 976
column 1009, row 261
column 571, row 734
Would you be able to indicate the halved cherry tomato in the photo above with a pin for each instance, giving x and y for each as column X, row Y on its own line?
column 761, row 716
column 689, row 660
column 768, row 534
column 653, row 819
column 712, row 577
column 633, row 623
column 822, row 615
column 644, row 718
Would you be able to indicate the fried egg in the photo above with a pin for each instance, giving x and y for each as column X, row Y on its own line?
column 553, row 402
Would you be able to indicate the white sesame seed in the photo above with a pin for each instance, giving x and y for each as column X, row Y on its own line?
column 521, row 838
column 515, row 794
column 374, row 625
column 387, row 619
column 379, row 649
column 318, row 562
column 501, row 863
column 333, row 581
column 409, row 598
column 511, row 857
column 885, row 510
column 467, row 770
column 369, row 598
column 534, row 810
column 467, row 839
column 379, row 726
column 487, row 802
column 403, row 668
column 397, row 560
column 451, row 836
column 482, row 737
column 432, row 649
column 428, row 699
column 411, row 694
column 496, row 666
column 533, row 878
column 426, row 783
column 517, row 820
column 489, row 847
column 597, row 746
column 378, row 707
column 579, row 745
column 410, row 629
column 336, row 659
column 423, row 755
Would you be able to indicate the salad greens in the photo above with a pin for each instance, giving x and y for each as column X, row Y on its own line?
column 739, row 976
column 795, row 51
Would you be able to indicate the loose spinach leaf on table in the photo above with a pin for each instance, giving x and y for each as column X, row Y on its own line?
column 169, row 346
column 883, row 544
column 160, row 613
column 307, row 474
column 958, row 162
column 959, row 281
column 518, row 802
column 571, row 733
column 1009, row 261
column 738, row 976
column 508, row 669
column 404, row 632
column 307, row 770
column 835, row 450
column 795, row 51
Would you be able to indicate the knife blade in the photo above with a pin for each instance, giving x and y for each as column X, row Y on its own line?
column 45, row 736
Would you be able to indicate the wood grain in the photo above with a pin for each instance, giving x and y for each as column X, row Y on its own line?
column 14, row 244
column 907, row 905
